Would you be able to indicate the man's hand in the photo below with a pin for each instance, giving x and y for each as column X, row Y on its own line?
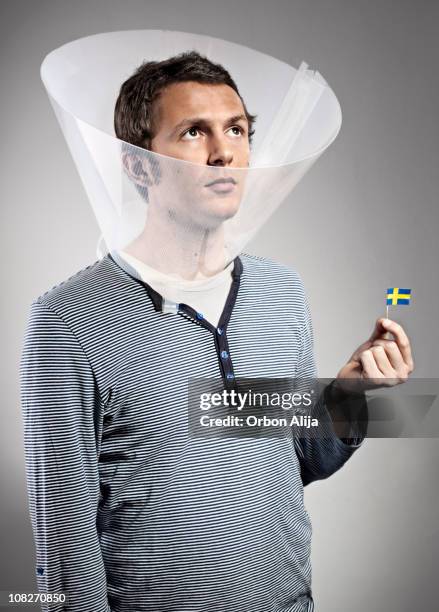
column 379, row 362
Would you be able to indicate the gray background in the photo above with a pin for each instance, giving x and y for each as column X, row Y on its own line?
column 365, row 218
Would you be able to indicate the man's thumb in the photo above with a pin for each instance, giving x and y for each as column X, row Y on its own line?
column 380, row 330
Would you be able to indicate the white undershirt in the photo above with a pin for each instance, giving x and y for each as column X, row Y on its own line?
column 207, row 296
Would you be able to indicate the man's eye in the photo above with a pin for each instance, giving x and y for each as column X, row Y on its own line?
column 237, row 131
column 190, row 133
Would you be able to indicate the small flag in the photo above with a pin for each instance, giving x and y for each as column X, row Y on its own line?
column 398, row 297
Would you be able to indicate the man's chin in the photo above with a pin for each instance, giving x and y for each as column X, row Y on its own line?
column 219, row 210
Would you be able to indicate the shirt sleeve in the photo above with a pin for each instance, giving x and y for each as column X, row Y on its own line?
column 61, row 412
column 322, row 454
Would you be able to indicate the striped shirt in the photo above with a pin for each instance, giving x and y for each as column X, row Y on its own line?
column 131, row 514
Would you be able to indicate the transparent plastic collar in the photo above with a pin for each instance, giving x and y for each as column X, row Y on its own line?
column 184, row 219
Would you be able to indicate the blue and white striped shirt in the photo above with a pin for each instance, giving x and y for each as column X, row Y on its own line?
column 129, row 513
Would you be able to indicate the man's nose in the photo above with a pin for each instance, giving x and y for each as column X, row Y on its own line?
column 220, row 153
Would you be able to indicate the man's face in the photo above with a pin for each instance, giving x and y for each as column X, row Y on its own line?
column 202, row 124
column 206, row 125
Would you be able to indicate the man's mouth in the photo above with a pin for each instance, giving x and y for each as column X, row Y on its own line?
column 222, row 185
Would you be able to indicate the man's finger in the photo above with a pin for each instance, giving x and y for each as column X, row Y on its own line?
column 383, row 363
column 394, row 354
column 368, row 363
column 401, row 339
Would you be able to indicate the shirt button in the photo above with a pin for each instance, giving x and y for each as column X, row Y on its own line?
column 200, row 315
column 230, row 376
column 224, row 354
column 219, row 331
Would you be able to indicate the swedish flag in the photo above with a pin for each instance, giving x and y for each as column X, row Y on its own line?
column 397, row 296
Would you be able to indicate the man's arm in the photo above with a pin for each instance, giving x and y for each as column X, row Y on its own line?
column 323, row 454
column 348, row 412
column 61, row 411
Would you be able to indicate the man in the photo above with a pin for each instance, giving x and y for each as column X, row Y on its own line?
column 129, row 511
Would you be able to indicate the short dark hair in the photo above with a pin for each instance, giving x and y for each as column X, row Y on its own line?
column 133, row 113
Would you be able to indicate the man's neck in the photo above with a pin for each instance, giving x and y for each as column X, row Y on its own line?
column 189, row 253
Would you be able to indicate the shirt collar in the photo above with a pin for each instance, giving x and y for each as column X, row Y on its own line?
column 156, row 298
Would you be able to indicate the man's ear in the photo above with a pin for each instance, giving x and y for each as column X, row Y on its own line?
column 137, row 169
